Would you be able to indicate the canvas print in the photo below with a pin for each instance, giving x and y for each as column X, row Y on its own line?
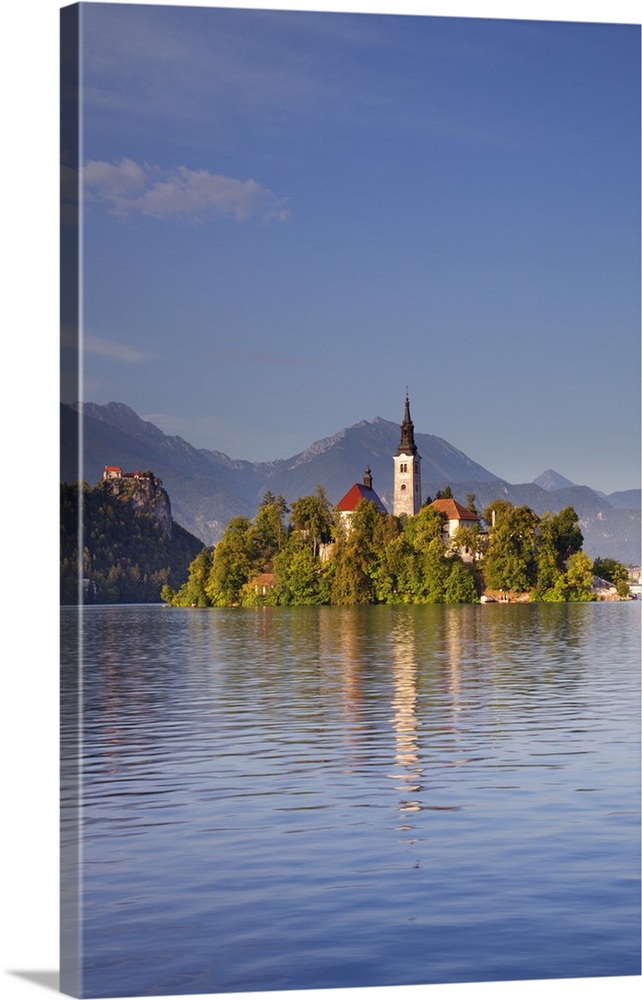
column 350, row 500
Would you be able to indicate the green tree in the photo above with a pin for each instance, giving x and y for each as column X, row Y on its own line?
column 300, row 576
column 569, row 538
column 436, row 569
column 424, row 527
column 615, row 572
column 471, row 503
column 194, row 592
column 357, row 557
column 549, row 564
column 387, row 538
column 270, row 529
column 558, row 538
column 471, row 540
column 576, row 583
column 391, row 577
column 366, row 520
column 235, row 561
column 510, row 561
column 579, row 577
column 424, row 577
column 353, row 581
column 460, row 584
column 312, row 516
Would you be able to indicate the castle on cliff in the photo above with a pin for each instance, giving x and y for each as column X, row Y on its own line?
column 143, row 490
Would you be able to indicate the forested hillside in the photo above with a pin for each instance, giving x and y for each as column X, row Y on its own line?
column 127, row 557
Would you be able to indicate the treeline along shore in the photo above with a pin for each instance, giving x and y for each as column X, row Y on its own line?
column 309, row 553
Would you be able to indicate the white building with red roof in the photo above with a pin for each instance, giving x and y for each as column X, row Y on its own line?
column 359, row 491
column 455, row 516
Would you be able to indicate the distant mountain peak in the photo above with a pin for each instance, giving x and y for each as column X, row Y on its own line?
column 551, row 481
column 207, row 488
column 318, row 448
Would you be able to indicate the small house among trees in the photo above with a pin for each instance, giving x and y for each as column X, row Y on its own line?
column 460, row 527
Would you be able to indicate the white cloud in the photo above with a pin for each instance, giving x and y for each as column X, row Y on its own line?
column 93, row 344
column 196, row 195
column 113, row 181
column 260, row 357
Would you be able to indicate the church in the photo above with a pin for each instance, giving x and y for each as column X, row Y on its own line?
column 407, row 478
column 360, row 491
column 407, row 488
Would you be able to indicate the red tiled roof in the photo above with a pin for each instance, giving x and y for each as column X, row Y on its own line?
column 358, row 492
column 112, row 468
column 454, row 511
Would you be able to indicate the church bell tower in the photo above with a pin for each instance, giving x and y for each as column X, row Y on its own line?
column 407, row 488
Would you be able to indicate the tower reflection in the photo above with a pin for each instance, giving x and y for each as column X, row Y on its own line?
column 405, row 722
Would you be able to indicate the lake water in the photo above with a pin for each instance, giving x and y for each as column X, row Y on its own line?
column 299, row 798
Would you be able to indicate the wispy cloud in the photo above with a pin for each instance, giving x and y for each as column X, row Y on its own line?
column 165, row 64
column 232, row 71
column 93, row 344
column 260, row 357
column 129, row 188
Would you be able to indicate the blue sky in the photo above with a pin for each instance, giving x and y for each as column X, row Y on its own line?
column 289, row 217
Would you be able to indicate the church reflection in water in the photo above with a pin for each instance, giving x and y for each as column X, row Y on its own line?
column 409, row 770
column 425, row 680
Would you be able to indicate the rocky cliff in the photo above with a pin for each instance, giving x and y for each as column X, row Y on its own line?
column 145, row 494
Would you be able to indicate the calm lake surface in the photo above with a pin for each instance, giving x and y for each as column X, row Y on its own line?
column 299, row 798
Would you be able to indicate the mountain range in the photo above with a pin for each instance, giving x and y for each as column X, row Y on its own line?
column 207, row 488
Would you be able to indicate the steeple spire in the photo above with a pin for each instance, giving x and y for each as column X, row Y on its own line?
column 407, row 444
column 407, row 485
